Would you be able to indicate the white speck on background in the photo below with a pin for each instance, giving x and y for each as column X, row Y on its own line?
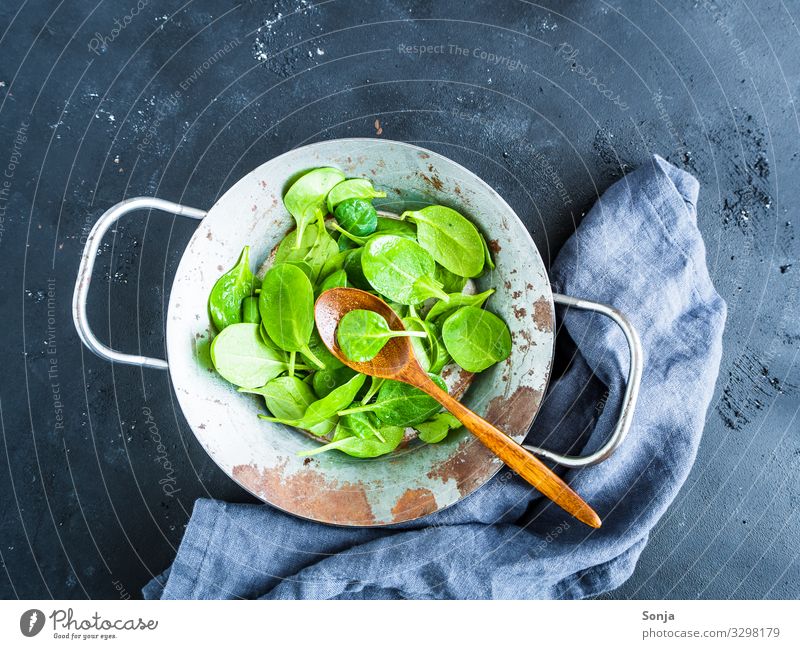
column 546, row 25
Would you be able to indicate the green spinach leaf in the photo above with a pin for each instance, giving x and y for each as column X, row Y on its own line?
column 400, row 269
column 450, row 239
column 287, row 397
column 436, row 428
column 286, row 304
column 386, row 440
column 476, row 339
column 439, row 354
column 451, row 283
column 305, row 199
column 457, row 300
column 323, row 413
column 314, row 249
column 354, row 268
column 362, row 334
column 322, row 353
column 305, row 267
column 346, row 243
column 349, row 189
column 326, row 381
column 388, row 225
column 362, row 425
column 487, row 255
column 374, row 386
column 357, row 217
column 262, row 330
column 241, row 357
column 337, row 279
column 225, row 301
column 421, row 345
column 351, row 240
column 250, row 310
column 333, row 263
column 401, row 404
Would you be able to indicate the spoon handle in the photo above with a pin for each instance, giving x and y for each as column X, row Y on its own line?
column 515, row 456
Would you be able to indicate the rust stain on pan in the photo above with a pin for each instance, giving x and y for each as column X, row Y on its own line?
column 413, row 504
column 526, row 336
column 513, row 414
column 434, row 181
column 543, row 314
column 308, row 493
column 462, row 384
column 470, row 467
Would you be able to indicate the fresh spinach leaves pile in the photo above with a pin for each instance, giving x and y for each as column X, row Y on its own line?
column 267, row 343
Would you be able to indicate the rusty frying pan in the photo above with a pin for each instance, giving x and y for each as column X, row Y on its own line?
column 417, row 479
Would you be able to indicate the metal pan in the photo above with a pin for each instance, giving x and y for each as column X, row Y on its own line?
column 417, row 479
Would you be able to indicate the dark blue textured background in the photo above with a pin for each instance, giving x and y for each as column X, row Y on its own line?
column 188, row 97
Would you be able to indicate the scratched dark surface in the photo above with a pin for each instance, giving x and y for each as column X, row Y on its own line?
column 187, row 98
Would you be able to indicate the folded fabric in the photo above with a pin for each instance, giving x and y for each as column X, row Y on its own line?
column 638, row 249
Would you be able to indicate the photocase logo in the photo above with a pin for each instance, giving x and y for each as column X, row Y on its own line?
column 31, row 622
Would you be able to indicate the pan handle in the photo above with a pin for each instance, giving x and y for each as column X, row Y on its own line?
column 631, row 389
column 108, row 219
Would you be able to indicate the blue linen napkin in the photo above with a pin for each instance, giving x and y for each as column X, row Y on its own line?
column 638, row 249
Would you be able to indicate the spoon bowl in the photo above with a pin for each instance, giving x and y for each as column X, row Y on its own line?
column 396, row 355
column 397, row 361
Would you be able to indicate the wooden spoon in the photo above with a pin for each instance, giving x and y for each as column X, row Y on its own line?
column 397, row 361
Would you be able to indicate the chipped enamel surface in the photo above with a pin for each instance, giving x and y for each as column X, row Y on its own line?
column 417, row 479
